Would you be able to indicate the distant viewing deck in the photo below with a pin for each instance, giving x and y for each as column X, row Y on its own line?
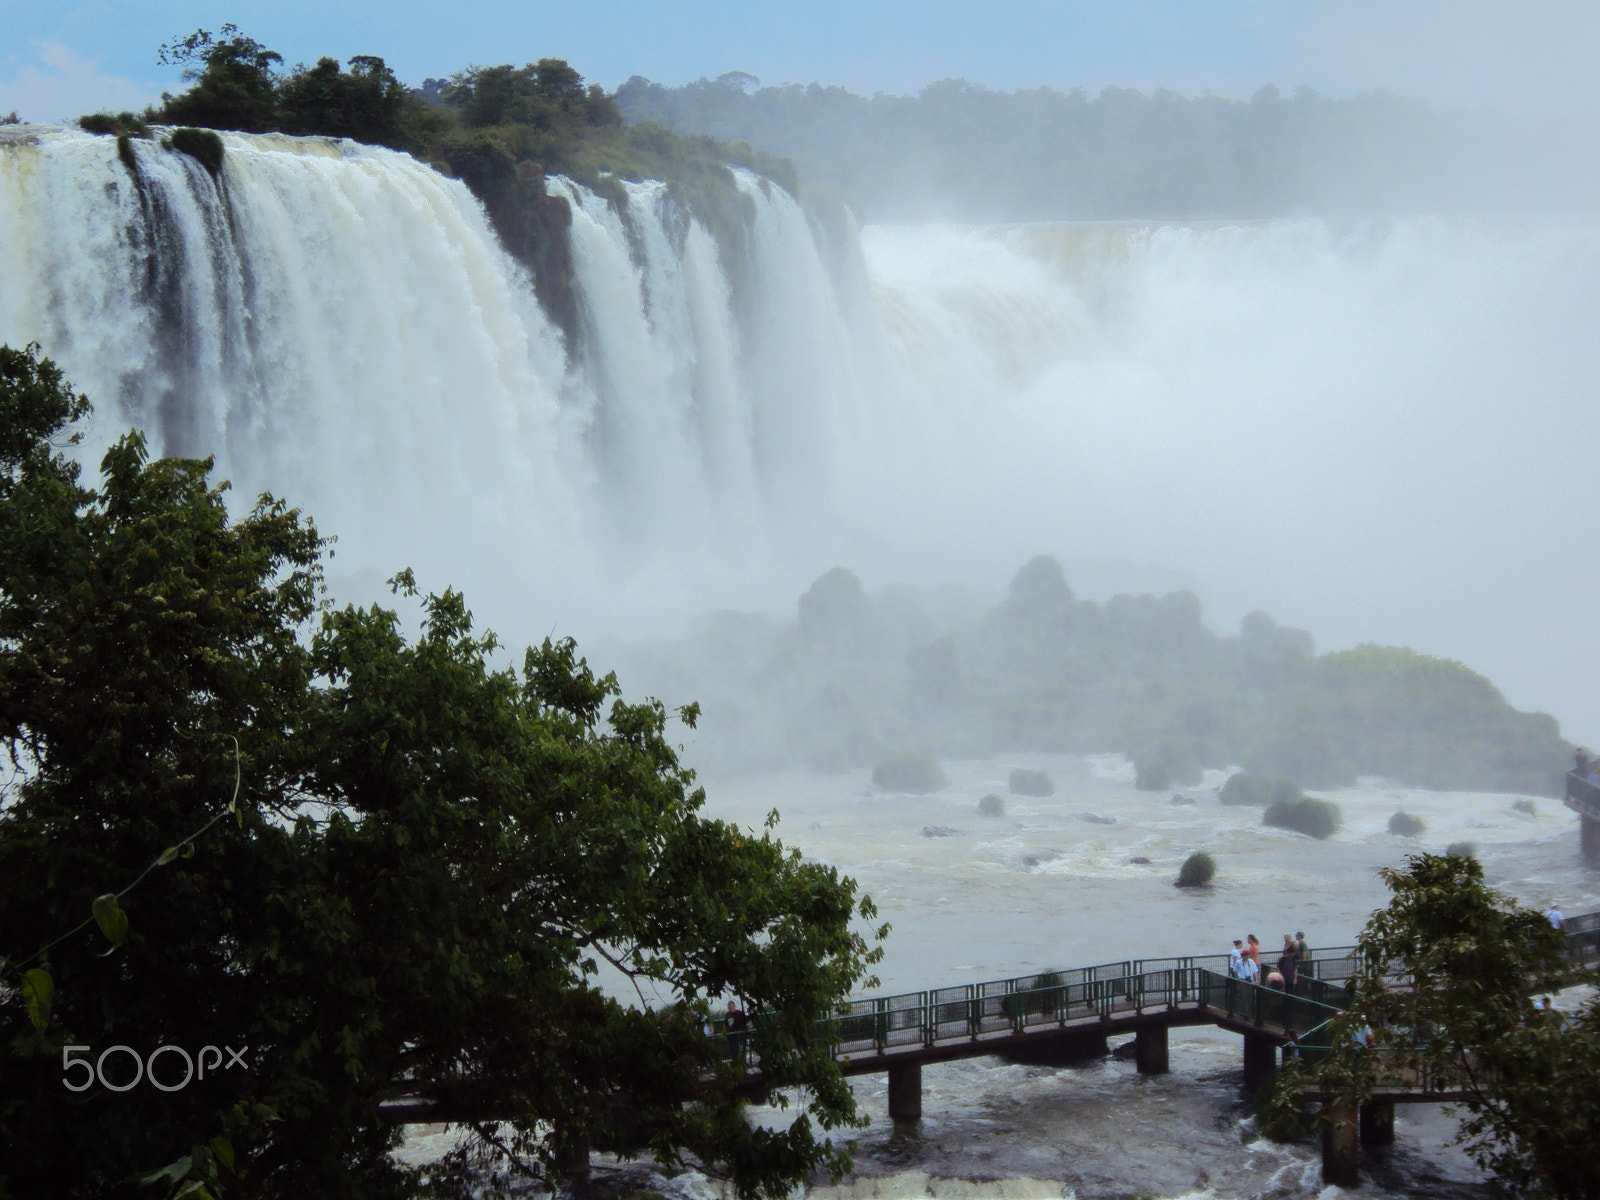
column 1583, row 797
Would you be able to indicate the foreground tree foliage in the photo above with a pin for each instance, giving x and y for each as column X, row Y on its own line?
column 1476, row 964
column 369, row 860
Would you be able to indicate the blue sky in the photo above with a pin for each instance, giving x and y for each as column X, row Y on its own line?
column 73, row 56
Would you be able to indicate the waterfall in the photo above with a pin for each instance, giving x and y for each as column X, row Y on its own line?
column 335, row 323
column 1357, row 426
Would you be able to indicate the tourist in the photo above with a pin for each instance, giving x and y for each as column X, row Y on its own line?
column 1361, row 1036
column 1275, row 980
column 1288, row 963
column 1553, row 915
column 737, row 1023
column 1236, row 960
column 1302, row 952
column 1252, row 958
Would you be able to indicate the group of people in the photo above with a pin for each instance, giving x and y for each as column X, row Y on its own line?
column 1244, row 961
column 734, row 1025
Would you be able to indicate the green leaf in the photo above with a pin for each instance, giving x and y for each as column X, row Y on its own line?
column 37, row 990
column 222, row 1148
column 172, row 1172
column 112, row 920
column 167, row 855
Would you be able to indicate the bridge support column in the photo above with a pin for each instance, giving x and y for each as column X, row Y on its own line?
column 1260, row 1059
column 1339, row 1145
column 905, row 1092
column 1150, row 1049
column 1589, row 839
column 1377, row 1123
column 572, row 1155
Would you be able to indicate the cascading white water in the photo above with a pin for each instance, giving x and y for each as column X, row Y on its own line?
column 334, row 323
column 1366, row 429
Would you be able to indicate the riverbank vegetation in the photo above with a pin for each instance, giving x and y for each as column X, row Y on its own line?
column 237, row 817
column 1045, row 671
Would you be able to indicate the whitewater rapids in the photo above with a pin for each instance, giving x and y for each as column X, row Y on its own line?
column 1042, row 887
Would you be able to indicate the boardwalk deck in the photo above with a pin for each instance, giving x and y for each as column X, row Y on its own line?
column 1070, row 1010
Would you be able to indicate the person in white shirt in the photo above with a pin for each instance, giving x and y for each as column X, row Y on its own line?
column 1553, row 915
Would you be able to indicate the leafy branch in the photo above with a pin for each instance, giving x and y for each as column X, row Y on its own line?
column 106, row 911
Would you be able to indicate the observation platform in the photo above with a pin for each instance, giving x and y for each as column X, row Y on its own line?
column 1065, row 1016
column 1583, row 798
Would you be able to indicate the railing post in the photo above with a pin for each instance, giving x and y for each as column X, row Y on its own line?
column 974, row 1010
column 930, row 1019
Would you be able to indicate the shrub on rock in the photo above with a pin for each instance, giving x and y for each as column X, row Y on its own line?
column 1462, row 849
column 917, row 773
column 1197, row 870
column 1406, row 824
column 1031, row 783
column 1315, row 818
column 203, row 145
column 1159, row 767
column 1244, row 788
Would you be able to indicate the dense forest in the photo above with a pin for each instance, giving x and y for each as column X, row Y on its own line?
column 961, row 151
column 855, row 679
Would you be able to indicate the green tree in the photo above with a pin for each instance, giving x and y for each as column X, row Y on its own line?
column 1449, row 972
column 546, row 95
column 235, row 82
column 366, row 103
column 436, row 869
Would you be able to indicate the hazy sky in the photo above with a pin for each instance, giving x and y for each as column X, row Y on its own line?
column 60, row 60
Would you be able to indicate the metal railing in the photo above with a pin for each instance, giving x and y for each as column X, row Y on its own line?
column 1294, row 1012
column 1058, row 997
column 1582, row 796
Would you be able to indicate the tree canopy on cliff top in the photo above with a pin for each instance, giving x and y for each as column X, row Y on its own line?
column 369, row 860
